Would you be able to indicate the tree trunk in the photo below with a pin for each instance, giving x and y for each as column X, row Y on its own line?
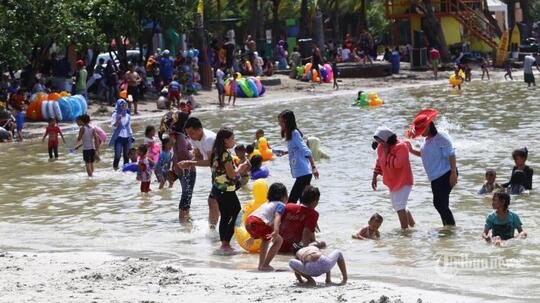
column 432, row 28
column 362, row 21
column 275, row 19
column 338, row 37
column 492, row 20
column 511, row 6
column 526, row 9
column 204, row 64
column 254, row 21
column 304, row 19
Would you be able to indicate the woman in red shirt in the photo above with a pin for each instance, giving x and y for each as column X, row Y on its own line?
column 394, row 165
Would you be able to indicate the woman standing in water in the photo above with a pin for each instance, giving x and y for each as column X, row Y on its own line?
column 183, row 151
column 300, row 158
column 439, row 160
column 224, row 178
column 122, row 137
column 394, row 166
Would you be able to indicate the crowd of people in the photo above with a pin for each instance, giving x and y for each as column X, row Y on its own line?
column 288, row 222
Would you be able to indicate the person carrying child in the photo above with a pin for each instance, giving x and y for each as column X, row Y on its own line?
column 371, row 231
column 490, row 184
column 502, row 222
column 52, row 131
column 151, row 144
column 264, row 224
column 310, row 262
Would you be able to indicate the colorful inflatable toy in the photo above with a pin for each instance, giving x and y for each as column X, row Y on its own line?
column 66, row 108
column 266, row 153
column 250, row 87
column 325, row 72
column 365, row 99
column 260, row 190
column 455, row 81
column 260, row 173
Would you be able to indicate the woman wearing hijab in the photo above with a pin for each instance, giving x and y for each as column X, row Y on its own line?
column 122, row 136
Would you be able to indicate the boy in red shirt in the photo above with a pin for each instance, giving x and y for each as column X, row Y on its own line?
column 53, row 131
column 299, row 221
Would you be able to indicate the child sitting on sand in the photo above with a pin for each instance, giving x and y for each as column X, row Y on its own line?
column 164, row 163
column 310, row 262
column 264, row 224
column 502, row 222
column 371, row 231
column 520, row 157
column 490, row 184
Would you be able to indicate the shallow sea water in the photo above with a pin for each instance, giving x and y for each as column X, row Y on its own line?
column 56, row 207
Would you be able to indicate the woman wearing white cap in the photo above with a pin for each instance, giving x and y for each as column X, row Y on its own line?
column 393, row 164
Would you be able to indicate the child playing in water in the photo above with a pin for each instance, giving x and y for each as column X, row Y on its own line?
column 515, row 186
column 520, row 157
column 240, row 151
column 133, row 155
column 264, row 224
column 502, row 222
column 458, row 77
column 259, row 134
column 234, row 88
column 144, row 174
column 251, row 151
column 150, row 142
column 310, row 262
column 508, row 69
column 89, row 141
column 52, row 130
column 490, row 184
column 164, row 163
column 484, row 66
column 257, row 170
column 371, row 231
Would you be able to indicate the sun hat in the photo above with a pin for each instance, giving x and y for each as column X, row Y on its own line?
column 421, row 122
column 383, row 133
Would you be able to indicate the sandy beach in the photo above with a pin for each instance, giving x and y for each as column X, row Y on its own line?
column 100, row 277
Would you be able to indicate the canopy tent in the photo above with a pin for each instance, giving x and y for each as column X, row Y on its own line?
column 499, row 6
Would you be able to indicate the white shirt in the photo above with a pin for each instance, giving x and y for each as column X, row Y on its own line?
column 219, row 76
column 345, row 54
column 125, row 121
column 528, row 63
column 267, row 211
column 205, row 144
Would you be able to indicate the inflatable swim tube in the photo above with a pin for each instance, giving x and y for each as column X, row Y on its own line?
column 65, row 108
column 101, row 133
column 45, row 110
column 130, row 167
column 253, row 87
column 260, row 173
column 260, row 190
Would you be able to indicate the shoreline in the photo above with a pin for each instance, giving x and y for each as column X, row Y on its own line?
column 99, row 276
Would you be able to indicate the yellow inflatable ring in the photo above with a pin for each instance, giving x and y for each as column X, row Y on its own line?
column 260, row 190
